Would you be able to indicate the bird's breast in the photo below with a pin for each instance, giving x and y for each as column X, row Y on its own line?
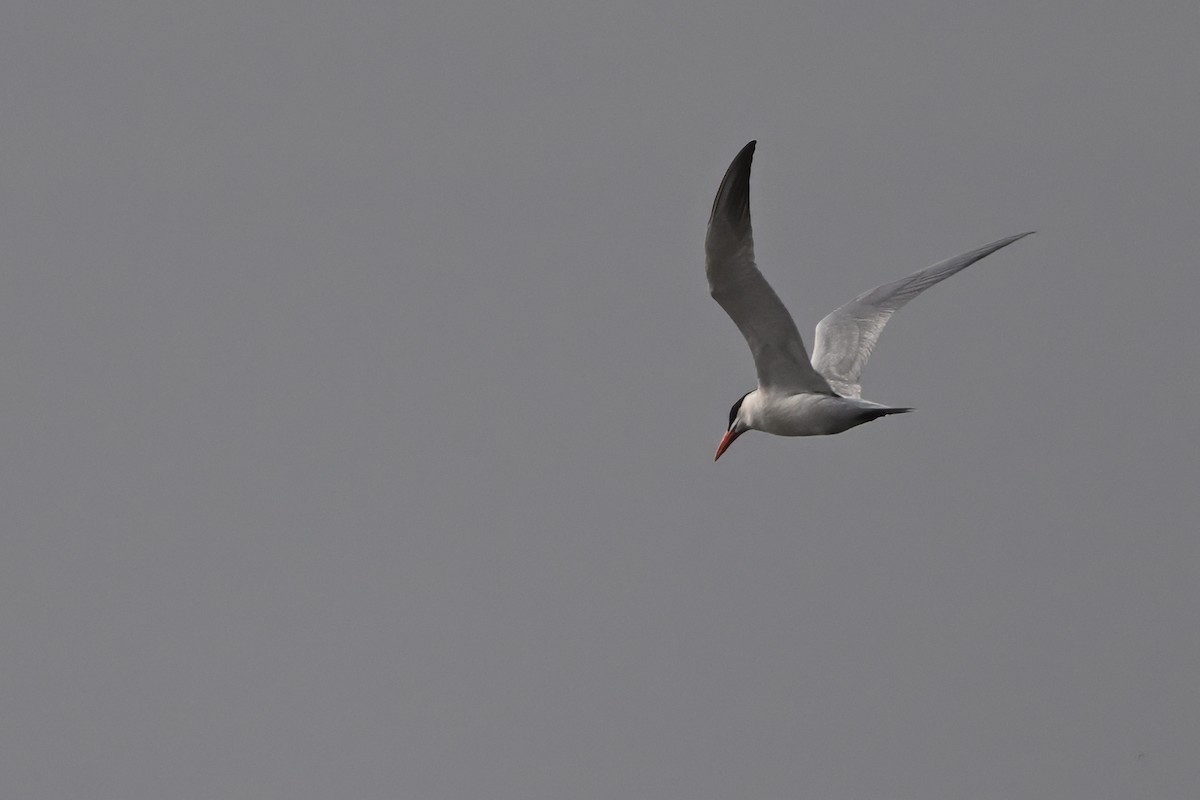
column 805, row 414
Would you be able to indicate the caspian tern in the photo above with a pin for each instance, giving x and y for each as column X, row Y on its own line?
column 796, row 396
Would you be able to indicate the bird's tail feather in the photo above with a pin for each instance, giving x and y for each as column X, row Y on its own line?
column 883, row 411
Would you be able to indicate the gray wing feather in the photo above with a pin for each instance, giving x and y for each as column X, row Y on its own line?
column 734, row 281
column 847, row 336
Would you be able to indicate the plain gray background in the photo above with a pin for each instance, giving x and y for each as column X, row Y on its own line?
column 360, row 388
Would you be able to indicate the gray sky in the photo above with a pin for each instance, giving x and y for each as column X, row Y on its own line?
column 361, row 388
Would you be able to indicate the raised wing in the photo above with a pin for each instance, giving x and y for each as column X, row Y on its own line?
column 846, row 337
column 736, row 284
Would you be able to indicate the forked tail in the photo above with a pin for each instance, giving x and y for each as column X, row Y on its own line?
column 876, row 411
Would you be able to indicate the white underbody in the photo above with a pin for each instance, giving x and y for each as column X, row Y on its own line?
column 806, row 413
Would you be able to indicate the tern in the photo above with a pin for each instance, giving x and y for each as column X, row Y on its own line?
column 796, row 396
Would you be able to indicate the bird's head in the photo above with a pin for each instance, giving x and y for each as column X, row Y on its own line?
column 737, row 426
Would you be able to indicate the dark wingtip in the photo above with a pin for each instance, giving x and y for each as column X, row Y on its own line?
column 733, row 198
column 1006, row 241
column 741, row 162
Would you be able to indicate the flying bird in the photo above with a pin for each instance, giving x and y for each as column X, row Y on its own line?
column 796, row 396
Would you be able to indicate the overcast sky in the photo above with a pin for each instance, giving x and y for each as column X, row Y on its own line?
column 360, row 387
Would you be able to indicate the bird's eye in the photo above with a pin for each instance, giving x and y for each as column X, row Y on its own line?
column 733, row 412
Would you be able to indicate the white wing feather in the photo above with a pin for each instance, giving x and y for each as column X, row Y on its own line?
column 847, row 336
column 736, row 284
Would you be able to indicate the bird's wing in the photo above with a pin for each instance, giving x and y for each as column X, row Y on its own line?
column 846, row 337
column 736, row 284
